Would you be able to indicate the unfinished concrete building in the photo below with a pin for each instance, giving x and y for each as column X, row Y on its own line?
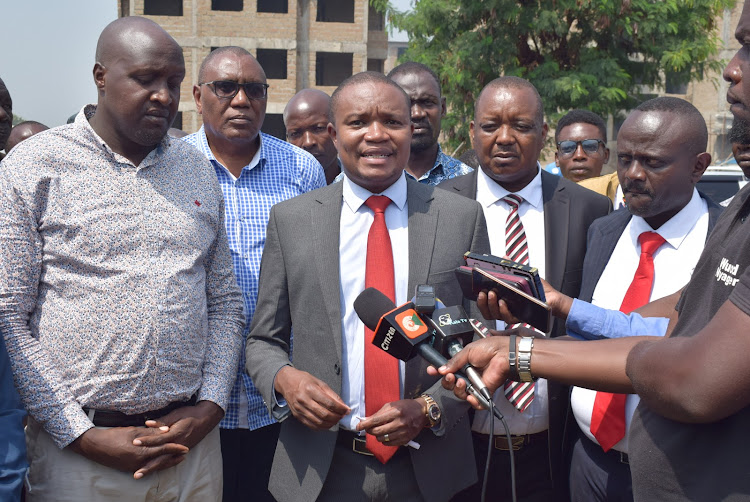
column 299, row 43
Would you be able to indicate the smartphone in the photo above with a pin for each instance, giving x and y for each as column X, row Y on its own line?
column 503, row 265
column 525, row 307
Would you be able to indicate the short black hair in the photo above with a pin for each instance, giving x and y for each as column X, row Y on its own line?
column 359, row 78
column 581, row 116
column 686, row 111
column 411, row 67
column 511, row 82
column 229, row 49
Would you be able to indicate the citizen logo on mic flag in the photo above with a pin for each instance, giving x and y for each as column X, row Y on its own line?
column 412, row 324
column 399, row 331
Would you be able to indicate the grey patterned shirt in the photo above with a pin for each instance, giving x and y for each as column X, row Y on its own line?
column 116, row 284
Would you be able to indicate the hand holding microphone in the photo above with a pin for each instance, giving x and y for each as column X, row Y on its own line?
column 404, row 333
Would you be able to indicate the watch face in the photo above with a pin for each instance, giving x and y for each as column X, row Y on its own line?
column 434, row 412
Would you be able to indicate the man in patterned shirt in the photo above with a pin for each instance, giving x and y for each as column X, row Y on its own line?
column 427, row 162
column 118, row 303
column 255, row 172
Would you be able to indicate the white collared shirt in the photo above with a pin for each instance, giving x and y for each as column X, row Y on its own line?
column 356, row 219
column 674, row 262
column 531, row 211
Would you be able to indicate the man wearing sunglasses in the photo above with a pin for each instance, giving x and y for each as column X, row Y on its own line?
column 581, row 138
column 255, row 171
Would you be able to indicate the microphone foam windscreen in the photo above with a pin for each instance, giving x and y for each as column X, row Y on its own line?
column 371, row 305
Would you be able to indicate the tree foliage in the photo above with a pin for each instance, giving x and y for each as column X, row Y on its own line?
column 600, row 55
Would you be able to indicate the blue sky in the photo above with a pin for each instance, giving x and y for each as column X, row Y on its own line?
column 48, row 54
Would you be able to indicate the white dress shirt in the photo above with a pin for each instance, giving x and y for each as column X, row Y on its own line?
column 531, row 211
column 674, row 262
column 356, row 219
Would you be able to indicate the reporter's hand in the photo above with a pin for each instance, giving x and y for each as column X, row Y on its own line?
column 310, row 400
column 114, row 448
column 488, row 356
column 402, row 420
column 492, row 307
column 558, row 303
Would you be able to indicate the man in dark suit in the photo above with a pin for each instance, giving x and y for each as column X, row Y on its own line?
column 316, row 261
column 661, row 155
column 508, row 133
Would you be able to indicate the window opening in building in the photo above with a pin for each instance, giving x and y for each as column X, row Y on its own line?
column 273, row 124
column 331, row 68
column 273, row 62
column 277, row 6
column 232, row 5
column 375, row 20
column 375, row 65
column 335, row 11
column 162, row 7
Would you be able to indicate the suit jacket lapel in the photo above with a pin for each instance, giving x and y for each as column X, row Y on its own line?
column 556, row 228
column 325, row 219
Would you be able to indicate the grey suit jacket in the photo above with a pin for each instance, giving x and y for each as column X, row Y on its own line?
column 299, row 290
column 602, row 239
column 568, row 211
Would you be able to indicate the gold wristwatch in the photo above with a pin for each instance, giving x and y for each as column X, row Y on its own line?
column 431, row 410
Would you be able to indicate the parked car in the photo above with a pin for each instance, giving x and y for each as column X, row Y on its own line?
column 721, row 182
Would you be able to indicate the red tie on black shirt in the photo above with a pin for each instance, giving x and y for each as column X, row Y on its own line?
column 608, row 414
column 381, row 369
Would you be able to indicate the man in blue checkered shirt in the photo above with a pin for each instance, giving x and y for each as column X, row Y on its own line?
column 255, row 172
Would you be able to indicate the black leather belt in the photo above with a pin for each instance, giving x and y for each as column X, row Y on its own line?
column 517, row 442
column 620, row 456
column 352, row 440
column 109, row 418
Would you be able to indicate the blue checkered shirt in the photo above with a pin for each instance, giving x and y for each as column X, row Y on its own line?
column 445, row 168
column 283, row 171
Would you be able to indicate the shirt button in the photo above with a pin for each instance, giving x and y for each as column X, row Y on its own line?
column 160, row 307
column 337, row 368
column 158, row 394
column 147, row 213
column 160, row 352
column 152, row 259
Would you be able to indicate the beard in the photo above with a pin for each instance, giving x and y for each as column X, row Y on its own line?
column 740, row 131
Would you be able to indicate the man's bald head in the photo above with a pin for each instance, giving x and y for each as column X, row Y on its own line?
column 306, row 121
column 305, row 101
column 131, row 34
column 138, row 71
column 23, row 131
column 219, row 54
column 514, row 83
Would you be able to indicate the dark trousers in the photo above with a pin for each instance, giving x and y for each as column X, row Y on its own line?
column 598, row 476
column 533, row 479
column 247, row 458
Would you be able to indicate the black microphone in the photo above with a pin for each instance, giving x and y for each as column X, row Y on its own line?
column 453, row 330
column 401, row 332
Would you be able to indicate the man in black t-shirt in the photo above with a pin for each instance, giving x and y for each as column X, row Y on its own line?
column 690, row 436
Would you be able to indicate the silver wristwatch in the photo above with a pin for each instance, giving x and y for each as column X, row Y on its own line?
column 524, row 359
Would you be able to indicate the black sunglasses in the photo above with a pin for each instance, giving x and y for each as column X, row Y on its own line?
column 590, row 146
column 227, row 89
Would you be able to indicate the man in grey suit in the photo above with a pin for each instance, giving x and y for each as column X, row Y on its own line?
column 508, row 133
column 313, row 268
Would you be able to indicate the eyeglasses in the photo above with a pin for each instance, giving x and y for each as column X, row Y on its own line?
column 590, row 146
column 227, row 89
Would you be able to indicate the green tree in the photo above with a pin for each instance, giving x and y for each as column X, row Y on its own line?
column 17, row 119
column 594, row 54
